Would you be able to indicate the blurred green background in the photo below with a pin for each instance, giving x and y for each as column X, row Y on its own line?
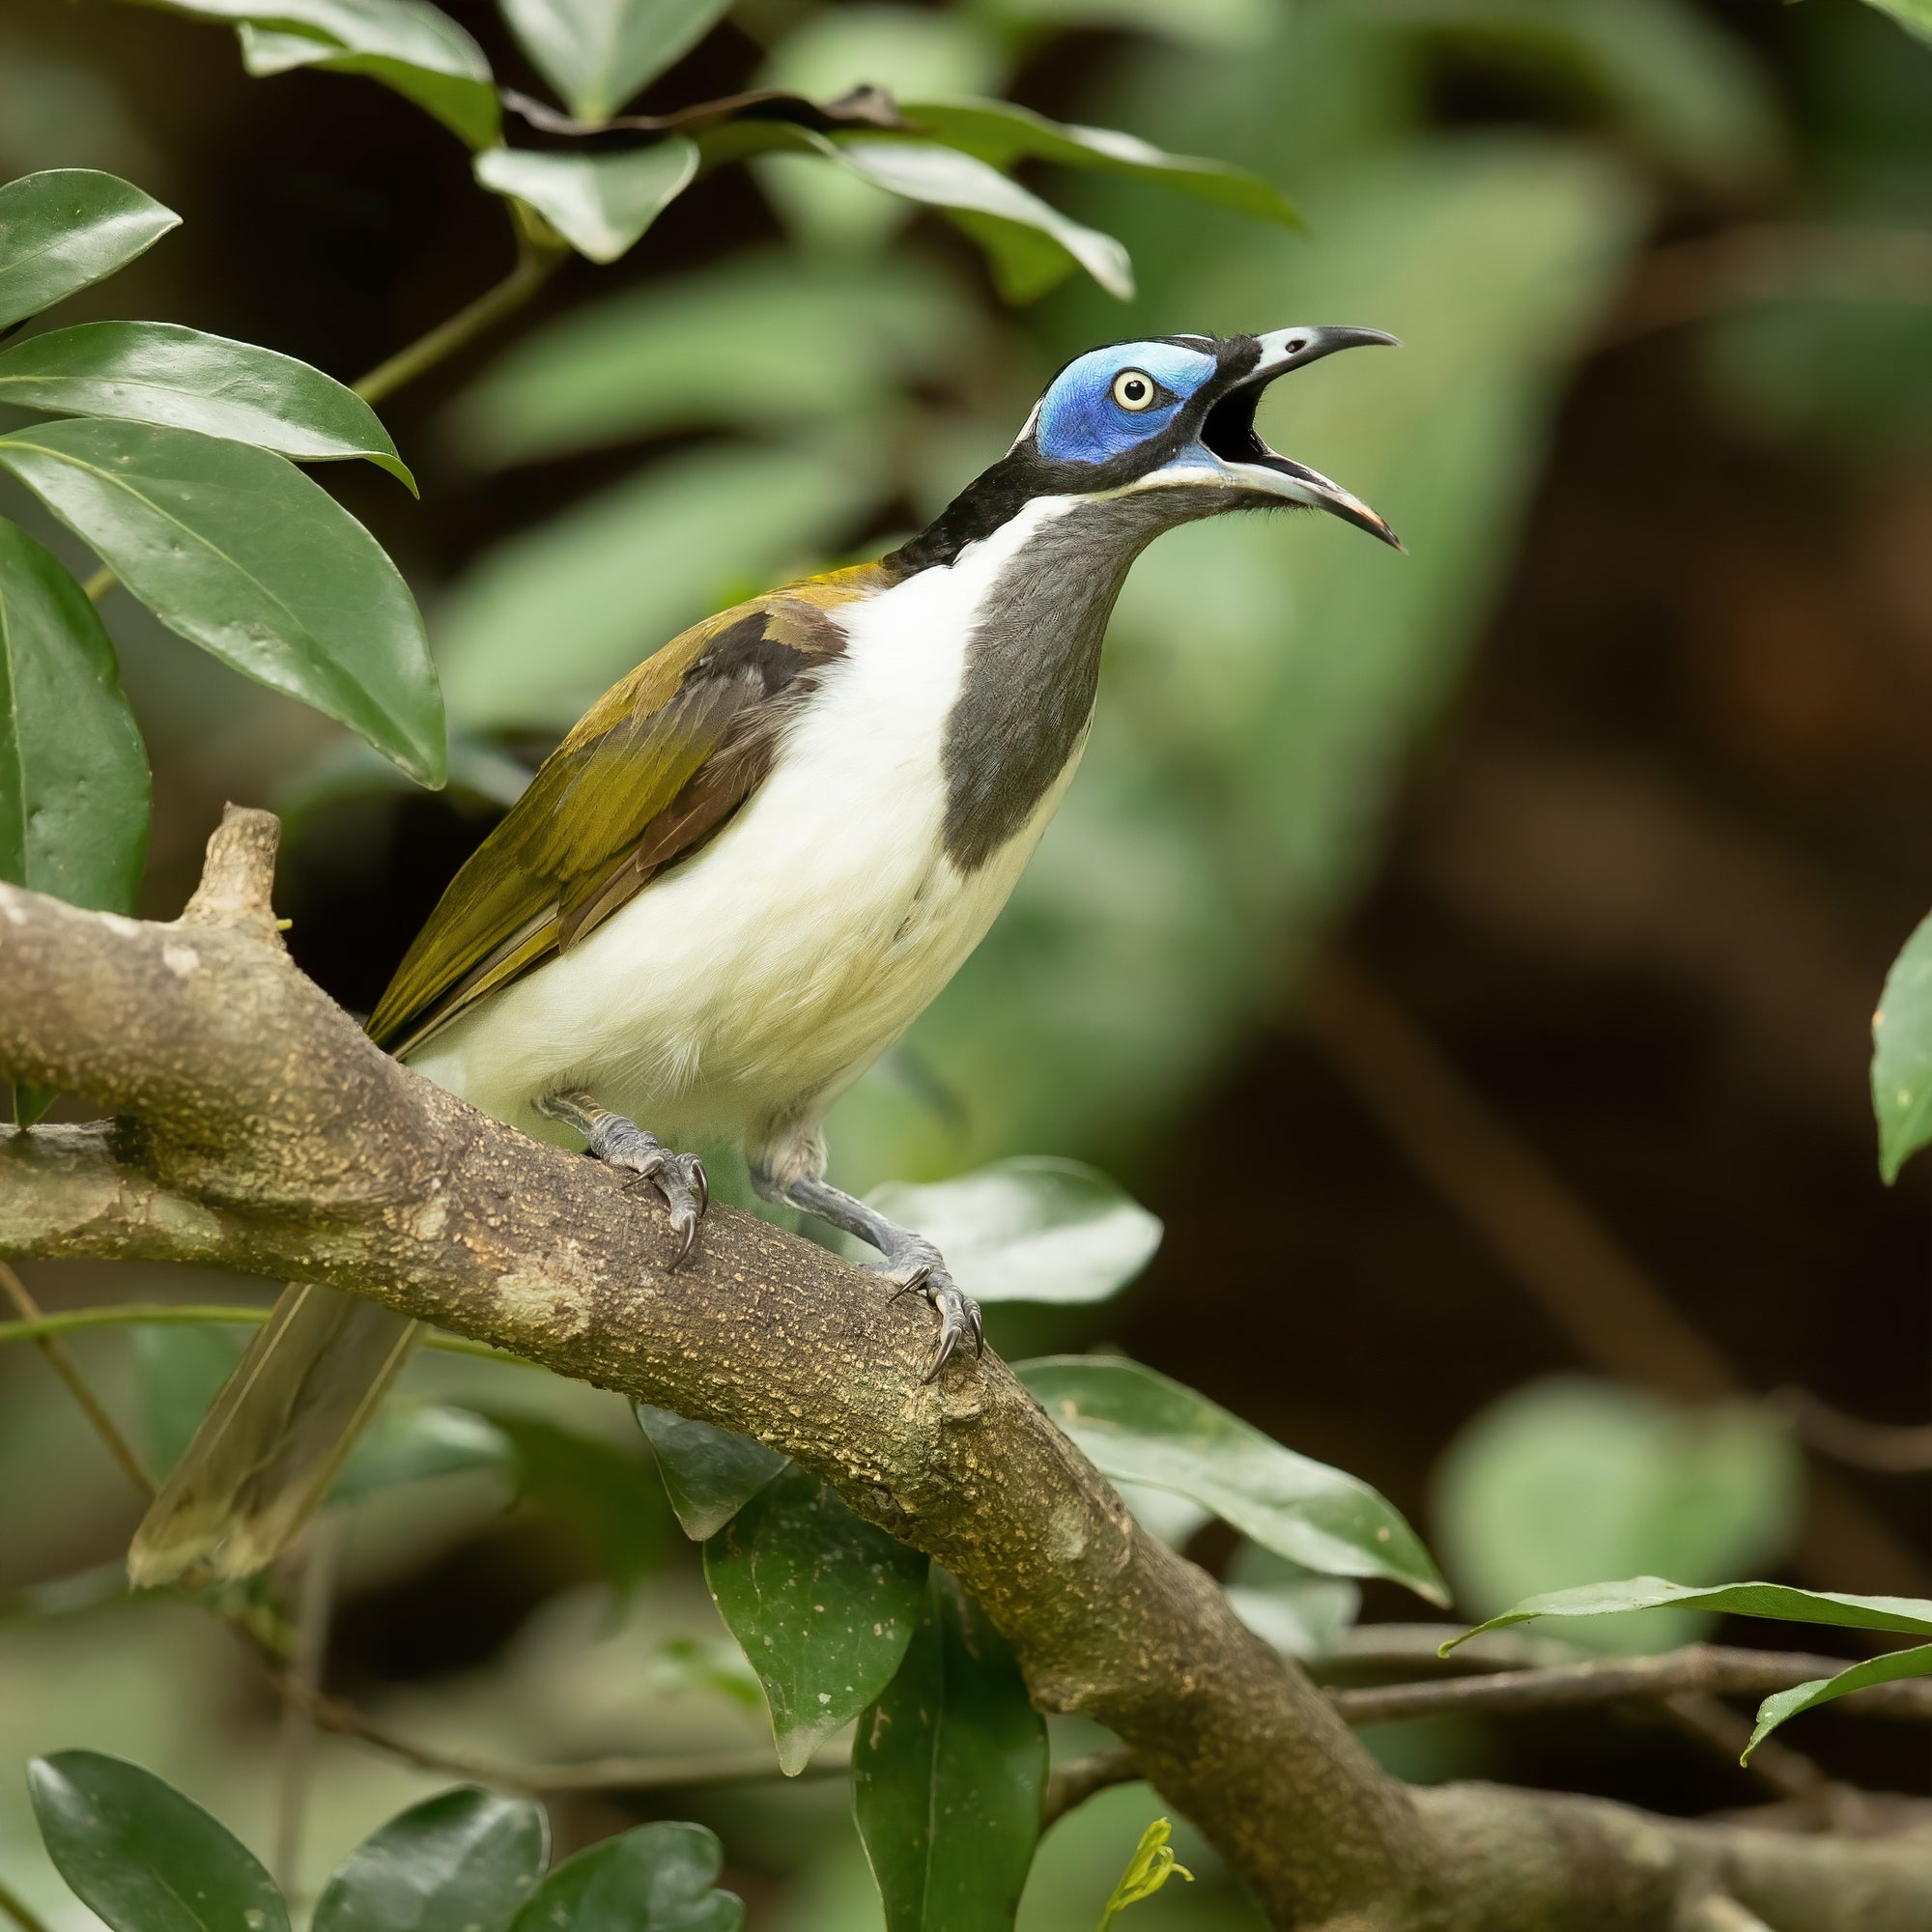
column 1418, row 926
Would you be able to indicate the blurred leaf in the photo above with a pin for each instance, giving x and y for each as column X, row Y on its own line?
column 1001, row 133
column 142, row 1856
column 597, row 53
column 1780, row 1705
column 178, row 1372
column 709, row 1473
column 1170, row 1518
column 600, row 203
column 1140, row 1425
column 1912, row 1615
column 949, row 1772
column 1223, row 26
column 612, row 1498
column 1032, row 1229
column 1901, row 1070
column 155, row 372
column 1682, row 86
column 406, row 44
column 615, row 576
column 757, row 342
column 1303, row 1616
column 73, row 773
column 1697, row 1493
column 238, row 550
column 705, row 1664
column 1914, row 15
column 654, row 1878
column 347, row 768
column 61, row 230
column 916, row 54
column 462, row 1862
column 1150, row 1868
column 822, row 1602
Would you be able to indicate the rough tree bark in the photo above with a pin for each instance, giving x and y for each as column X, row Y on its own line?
column 255, row 1129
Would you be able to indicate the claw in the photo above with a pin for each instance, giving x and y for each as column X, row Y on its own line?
column 703, row 1186
column 908, row 1281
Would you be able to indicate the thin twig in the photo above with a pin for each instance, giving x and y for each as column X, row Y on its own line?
column 19, row 1912
column 171, row 1313
column 315, row 1602
column 1557, row 1248
column 1898, row 1449
column 62, row 1364
column 1710, row 1722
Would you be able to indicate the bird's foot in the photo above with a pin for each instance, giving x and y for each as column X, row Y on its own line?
column 620, row 1143
column 915, row 1267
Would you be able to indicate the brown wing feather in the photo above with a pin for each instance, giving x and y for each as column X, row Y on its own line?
column 655, row 767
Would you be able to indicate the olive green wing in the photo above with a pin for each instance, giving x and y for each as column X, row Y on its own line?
column 653, row 769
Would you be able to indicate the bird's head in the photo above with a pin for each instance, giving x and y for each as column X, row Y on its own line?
column 1176, row 413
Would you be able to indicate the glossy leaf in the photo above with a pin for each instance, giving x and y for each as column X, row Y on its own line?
column 822, row 1602
column 462, row 1862
column 1142, row 1428
column 656, row 1878
column 1781, row 1705
column 1699, row 1493
column 67, row 227
column 1001, row 133
column 709, row 1473
column 142, row 1856
column 1911, row 1615
column 156, row 372
column 611, row 578
column 609, row 1496
column 597, row 53
column 1914, row 15
column 74, row 775
column 237, row 550
column 1901, row 1070
column 1032, row 1229
column 948, row 1770
column 406, row 44
column 705, row 349
column 600, row 204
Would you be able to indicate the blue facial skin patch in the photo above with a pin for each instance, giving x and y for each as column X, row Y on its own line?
column 1081, row 422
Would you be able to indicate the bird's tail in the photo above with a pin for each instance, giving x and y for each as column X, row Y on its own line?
column 268, row 1448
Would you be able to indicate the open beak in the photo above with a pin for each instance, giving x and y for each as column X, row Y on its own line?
column 1241, row 457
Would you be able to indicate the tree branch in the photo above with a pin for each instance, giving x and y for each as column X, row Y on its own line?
column 257, row 1128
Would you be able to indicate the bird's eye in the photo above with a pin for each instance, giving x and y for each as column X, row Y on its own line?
column 1132, row 389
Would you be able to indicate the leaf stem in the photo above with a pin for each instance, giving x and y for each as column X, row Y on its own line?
column 38, row 1326
column 536, row 261
column 58, row 1359
column 18, row 1911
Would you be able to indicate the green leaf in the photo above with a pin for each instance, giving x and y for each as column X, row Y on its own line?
column 611, row 1499
column 1698, row 1494
column 704, row 350
column 1150, row 1868
column 1142, row 1428
column 600, row 204
column 406, row 44
column 462, row 1862
column 67, row 227
column 597, row 53
column 999, row 133
column 611, row 578
column 142, row 1856
column 1032, row 1229
column 709, row 1473
column 156, row 372
column 1302, row 1617
column 1901, row 1070
column 948, row 1770
column 1031, row 243
column 656, row 1878
column 74, row 775
column 1780, row 1705
column 822, row 1604
column 241, row 552
column 1912, row 1615
column 1914, row 15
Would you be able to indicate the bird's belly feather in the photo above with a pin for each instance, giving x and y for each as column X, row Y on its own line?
column 765, row 973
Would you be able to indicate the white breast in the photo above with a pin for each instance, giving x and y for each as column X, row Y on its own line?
column 772, row 968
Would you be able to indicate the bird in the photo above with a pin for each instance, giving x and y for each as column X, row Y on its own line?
column 755, row 861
